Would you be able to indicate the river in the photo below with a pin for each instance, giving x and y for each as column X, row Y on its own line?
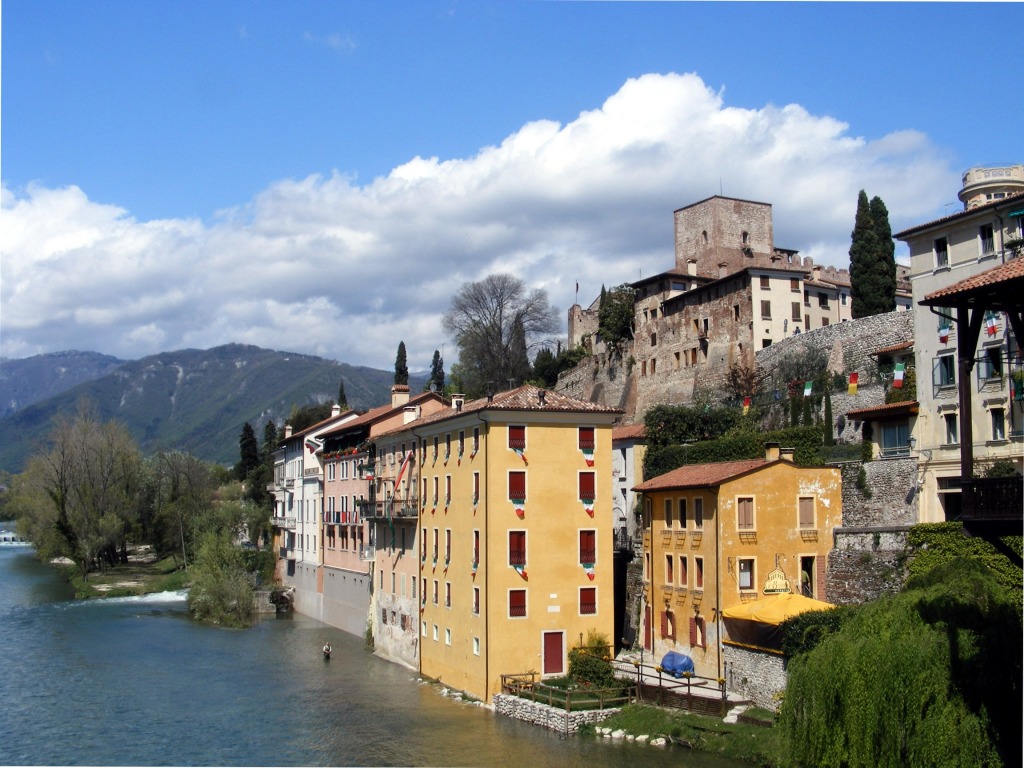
column 133, row 681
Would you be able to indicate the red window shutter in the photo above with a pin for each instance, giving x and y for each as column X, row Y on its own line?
column 517, row 602
column 664, row 624
column 517, row 485
column 517, row 547
column 587, row 485
column 588, row 600
column 693, row 632
column 588, row 546
column 586, row 438
column 517, row 437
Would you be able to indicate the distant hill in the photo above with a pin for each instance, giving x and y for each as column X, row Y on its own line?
column 27, row 381
column 196, row 400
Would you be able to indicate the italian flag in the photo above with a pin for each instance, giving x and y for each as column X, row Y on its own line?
column 944, row 334
column 521, row 570
column 897, row 375
column 588, row 568
column 588, row 456
column 851, row 389
column 807, row 389
column 990, row 324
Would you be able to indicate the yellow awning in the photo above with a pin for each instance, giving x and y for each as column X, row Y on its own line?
column 775, row 609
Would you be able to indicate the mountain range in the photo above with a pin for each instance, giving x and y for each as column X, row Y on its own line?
column 191, row 400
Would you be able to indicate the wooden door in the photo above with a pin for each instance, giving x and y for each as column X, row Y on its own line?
column 554, row 653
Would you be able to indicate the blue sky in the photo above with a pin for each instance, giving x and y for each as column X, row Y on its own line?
column 321, row 176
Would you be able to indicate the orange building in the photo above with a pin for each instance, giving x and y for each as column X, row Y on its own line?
column 515, row 535
column 718, row 535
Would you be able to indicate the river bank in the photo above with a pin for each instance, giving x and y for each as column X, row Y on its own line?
column 143, row 574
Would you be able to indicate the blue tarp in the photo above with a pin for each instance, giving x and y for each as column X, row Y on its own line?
column 677, row 663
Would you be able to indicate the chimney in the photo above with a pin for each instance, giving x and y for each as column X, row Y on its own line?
column 691, row 266
column 771, row 451
column 458, row 399
column 786, row 454
column 816, row 273
column 399, row 395
column 410, row 413
column 335, row 410
column 287, row 431
column 542, row 397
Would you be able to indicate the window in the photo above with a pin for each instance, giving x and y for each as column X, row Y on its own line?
column 746, row 573
column 765, row 282
column 517, row 438
column 435, row 631
column 766, row 310
column 476, row 646
column 683, row 575
column 745, row 513
column 423, row 545
column 517, row 485
column 998, row 418
column 476, row 439
column 447, row 545
column 435, row 591
column 332, row 469
column 823, row 300
column 447, row 637
column 517, row 548
column 670, row 577
column 447, row 594
column 794, row 284
column 476, row 601
column 435, row 447
column 990, row 366
column 517, row 603
column 795, row 313
column 896, row 439
column 941, row 250
column 435, row 543
column 986, row 240
column 698, row 513
column 682, row 513
column 952, row 429
column 423, row 629
column 944, row 371
column 668, row 513
column 806, row 511
column 476, row 487
column 698, row 573
column 462, row 441
column 447, row 490
column 586, row 438
column 654, row 339
column 668, row 625
column 588, row 601
column 587, row 482
column 698, row 632
column 588, row 547
column 476, row 547
column 654, row 364
column 447, row 445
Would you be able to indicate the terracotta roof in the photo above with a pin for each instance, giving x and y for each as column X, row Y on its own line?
column 1012, row 199
column 1011, row 270
column 628, row 432
column 894, row 348
column 891, row 410
column 700, row 475
column 524, row 398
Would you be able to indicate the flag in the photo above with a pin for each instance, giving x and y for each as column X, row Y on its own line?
column 401, row 471
column 313, row 444
column 897, row 375
column 852, row 388
column 990, row 324
column 746, row 405
column 807, row 389
column 944, row 334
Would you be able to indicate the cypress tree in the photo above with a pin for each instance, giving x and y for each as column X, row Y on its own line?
column 886, row 255
column 436, row 373
column 249, row 452
column 401, row 367
column 342, row 400
column 827, row 418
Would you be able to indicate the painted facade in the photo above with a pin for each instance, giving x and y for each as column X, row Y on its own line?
column 515, row 536
column 717, row 535
column 944, row 252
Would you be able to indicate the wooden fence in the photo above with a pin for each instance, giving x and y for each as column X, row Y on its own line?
column 528, row 685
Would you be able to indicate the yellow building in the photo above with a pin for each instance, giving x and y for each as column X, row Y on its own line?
column 717, row 535
column 515, row 535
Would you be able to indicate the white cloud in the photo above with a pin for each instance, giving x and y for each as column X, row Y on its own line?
column 325, row 266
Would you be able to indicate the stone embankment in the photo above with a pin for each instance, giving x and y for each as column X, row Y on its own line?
column 553, row 718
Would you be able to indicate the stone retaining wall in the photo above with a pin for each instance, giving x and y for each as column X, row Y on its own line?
column 866, row 563
column 553, row 718
column 756, row 675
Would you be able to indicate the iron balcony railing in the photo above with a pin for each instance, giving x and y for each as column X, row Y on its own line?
column 992, row 499
column 390, row 508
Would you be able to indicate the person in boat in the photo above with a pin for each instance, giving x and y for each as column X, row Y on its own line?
column 327, row 649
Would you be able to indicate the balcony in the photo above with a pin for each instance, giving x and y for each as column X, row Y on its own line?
column 286, row 523
column 992, row 504
column 390, row 508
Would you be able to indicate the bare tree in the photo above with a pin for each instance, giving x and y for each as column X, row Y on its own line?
column 494, row 323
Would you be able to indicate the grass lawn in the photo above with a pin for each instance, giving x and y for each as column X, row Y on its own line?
column 750, row 743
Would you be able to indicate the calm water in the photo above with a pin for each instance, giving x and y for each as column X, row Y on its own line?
column 135, row 682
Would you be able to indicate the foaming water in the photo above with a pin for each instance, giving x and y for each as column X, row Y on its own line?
column 134, row 681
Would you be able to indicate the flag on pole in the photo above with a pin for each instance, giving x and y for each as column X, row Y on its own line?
column 990, row 324
column 851, row 389
column 807, row 389
column 401, row 471
column 746, row 405
column 944, row 334
column 897, row 375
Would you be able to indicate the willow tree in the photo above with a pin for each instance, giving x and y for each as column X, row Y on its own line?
column 927, row 677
